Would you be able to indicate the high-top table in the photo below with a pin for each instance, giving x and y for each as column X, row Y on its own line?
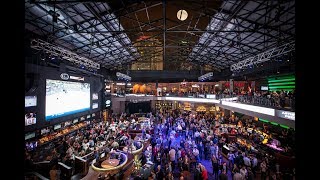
column 109, row 163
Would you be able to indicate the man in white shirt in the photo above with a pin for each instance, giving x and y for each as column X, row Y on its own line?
column 244, row 172
column 195, row 152
column 172, row 156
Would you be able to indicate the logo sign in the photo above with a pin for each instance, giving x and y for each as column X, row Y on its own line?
column 64, row 76
column 286, row 114
column 108, row 101
column 77, row 78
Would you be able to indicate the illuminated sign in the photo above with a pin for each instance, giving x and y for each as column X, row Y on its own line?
column 108, row 103
column 64, row 76
column 77, row 78
column 286, row 114
column 120, row 84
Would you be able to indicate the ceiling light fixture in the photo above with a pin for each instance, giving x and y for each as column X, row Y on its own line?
column 182, row 15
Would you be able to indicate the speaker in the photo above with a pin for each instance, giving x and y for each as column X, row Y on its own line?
column 31, row 82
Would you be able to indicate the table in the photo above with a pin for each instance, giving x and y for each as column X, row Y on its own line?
column 110, row 163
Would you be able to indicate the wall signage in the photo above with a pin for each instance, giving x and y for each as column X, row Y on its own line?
column 64, row 76
column 286, row 114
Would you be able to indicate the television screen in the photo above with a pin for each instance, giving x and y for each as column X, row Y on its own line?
column 67, row 123
column 30, row 101
column 94, row 105
column 64, row 98
column 95, row 96
column 45, row 131
column 75, row 121
column 264, row 88
column 93, row 115
column 29, row 135
column 88, row 116
column 82, row 118
column 57, row 126
column 30, row 118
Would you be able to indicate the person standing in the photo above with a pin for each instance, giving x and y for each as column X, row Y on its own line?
column 215, row 166
column 197, row 173
column 201, row 149
column 195, row 152
column 223, row 175
column 263, row 167
column 159, row 173
column 231, row 159
column 237, row 175
column 204, row 173
column 172, row 156
column 254, row 165
column 244, row 172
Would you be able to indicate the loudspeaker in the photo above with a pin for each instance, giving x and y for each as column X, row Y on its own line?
column 31, row 82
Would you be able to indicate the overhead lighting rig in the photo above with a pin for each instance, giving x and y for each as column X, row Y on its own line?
column 263, row 57
column 206, row 76
column 39, row 44
column 122, row 76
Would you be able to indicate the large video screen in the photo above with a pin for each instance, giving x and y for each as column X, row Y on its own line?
column 64, row 98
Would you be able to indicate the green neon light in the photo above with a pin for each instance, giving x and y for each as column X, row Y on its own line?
column 283, row 126
column 273, row 123
column 282, row 87
column 281, row 80
column 282, row 83
column 263, row 120
column 281, row 77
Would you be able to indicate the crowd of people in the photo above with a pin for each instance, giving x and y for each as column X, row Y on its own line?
column 96, row 138
column 181, row 145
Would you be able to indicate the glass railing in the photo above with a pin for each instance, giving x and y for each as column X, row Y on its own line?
column 285, row 103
